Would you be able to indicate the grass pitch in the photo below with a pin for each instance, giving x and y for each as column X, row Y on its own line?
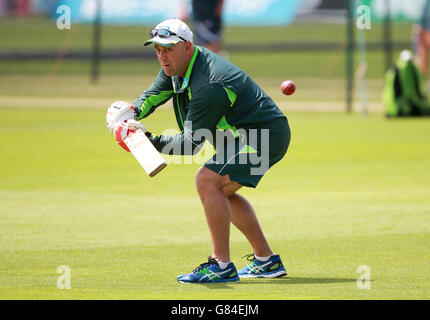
column 351, row 191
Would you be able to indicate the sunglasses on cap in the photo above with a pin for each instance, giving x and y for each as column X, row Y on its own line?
column 164, row 33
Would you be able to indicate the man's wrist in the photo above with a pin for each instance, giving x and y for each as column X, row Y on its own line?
column 137, row 112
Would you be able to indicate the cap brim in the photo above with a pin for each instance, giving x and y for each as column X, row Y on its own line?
column 164, row 42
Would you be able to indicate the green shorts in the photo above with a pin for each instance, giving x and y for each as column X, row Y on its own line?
column 248, row 157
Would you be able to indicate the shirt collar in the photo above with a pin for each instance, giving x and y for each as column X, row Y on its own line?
column 186, row 79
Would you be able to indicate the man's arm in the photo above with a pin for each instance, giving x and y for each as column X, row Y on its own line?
column 157, row 94
column 206, row 109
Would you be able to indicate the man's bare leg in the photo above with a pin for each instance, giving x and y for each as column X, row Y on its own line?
column 217, row 210
column 244, row 218
column 222, row 204
column 215, row 47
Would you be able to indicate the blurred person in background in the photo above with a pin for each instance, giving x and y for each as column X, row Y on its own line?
column 26, row 8
column 207, row 23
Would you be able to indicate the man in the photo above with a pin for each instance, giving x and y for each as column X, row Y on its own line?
column 216, row 99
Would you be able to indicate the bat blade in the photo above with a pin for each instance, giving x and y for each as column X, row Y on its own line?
column 144, row 152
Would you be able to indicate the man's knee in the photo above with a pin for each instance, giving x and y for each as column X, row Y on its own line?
column 230, row 189
column 206, row 178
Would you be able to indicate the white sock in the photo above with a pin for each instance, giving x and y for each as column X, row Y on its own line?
column 262, row 259
column 222, row 265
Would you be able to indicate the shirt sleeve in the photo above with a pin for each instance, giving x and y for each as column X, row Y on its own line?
column 206, row 109
column 160, row 91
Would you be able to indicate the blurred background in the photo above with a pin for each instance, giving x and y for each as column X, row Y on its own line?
column 52, row 48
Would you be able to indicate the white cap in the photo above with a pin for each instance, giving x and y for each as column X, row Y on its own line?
column 176, row 26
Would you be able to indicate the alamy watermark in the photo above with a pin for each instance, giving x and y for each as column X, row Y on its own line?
column 232, row 147
column 364, row 17
column 64, row 20
column 364, row 280
column 64, row 281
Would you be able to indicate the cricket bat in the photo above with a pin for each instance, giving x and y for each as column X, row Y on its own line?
column 144, row 152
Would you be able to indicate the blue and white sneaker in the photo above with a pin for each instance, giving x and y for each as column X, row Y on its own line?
column 210, row 272
column 272, row 268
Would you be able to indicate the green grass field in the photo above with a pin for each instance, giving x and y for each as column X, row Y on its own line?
column 352, row 190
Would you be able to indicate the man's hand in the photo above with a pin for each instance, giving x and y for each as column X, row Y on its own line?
column 134, row 125
column 121, row 132
column 122, row 129
column 120, row 111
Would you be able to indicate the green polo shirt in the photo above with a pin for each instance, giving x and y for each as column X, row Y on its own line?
column 214, row 95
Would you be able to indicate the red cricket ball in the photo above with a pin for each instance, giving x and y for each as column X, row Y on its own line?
column 288, row 87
